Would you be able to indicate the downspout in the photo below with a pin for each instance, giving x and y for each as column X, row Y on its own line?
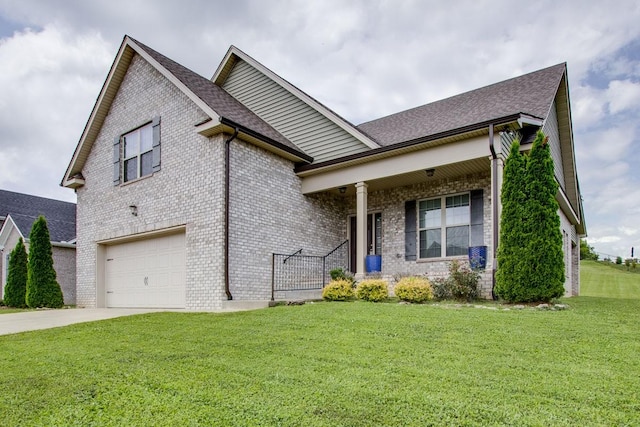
column 494, row 208
column 227, row 174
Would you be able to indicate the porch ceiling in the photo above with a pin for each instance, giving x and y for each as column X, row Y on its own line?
column 416, row 177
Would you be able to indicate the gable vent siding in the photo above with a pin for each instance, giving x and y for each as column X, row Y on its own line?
column 551, row 130
column 312, row 132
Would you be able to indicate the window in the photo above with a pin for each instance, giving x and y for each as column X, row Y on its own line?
column 138, row 153
column 444, row 232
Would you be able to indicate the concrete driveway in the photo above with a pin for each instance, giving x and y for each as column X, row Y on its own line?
column 44, row 319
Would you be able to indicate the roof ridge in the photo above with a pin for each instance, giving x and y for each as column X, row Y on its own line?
column 486, row 87
column 529, row 94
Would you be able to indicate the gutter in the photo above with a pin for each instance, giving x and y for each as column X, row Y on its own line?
column 245, row 130
column 227, row 174
column 400, row 145
column 494, row 209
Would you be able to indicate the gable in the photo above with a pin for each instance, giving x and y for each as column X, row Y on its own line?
column 225, row 114
column 305, row 122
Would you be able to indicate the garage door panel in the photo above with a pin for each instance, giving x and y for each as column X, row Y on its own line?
column 147, row 273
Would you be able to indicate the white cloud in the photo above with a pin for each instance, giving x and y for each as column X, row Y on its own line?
column 48, row 80
column 623, row 95
column 363, row 59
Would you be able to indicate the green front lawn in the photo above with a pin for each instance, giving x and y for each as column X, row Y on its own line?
column 332, row 364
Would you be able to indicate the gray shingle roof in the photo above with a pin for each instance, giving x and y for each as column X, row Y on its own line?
column 530, row 94
column 25, row 209
column 219, row 100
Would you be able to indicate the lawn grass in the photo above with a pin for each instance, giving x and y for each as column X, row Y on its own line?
column 332, row 364
column 598, row 279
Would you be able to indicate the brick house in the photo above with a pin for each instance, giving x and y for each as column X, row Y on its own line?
column 18, row 212
column 188, row 186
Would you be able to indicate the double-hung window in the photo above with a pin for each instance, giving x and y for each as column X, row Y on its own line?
column 138, row 153
column 444, row 226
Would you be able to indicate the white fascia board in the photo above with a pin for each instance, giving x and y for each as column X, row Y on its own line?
column 565, row 206
column 529, row 120
column 98, row 108
column 7, row 227
column 430, row 158
column 347, row 127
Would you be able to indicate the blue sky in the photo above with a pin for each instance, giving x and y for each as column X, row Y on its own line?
column 363, row 59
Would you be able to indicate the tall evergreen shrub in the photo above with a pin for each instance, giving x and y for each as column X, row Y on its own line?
column 16, row 288
column 42, row 288
column 510, row 281
column 530, row 257
column 544, row 260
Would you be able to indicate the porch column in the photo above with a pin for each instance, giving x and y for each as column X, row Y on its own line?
column 361, row 228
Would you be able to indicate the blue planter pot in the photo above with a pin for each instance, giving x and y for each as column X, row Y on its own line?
column 478, row 257
column 373, row 263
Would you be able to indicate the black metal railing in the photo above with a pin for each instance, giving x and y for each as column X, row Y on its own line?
column 297, row 272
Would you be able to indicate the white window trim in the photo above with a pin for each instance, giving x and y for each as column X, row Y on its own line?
column 443, row 226
column 138, row 154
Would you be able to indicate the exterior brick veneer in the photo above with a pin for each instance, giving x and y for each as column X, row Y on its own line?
column 268, row 212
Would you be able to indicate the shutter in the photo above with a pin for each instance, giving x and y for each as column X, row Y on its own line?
column 116, row 161
column 476, row 233
column 156, row 143
column 410, row 236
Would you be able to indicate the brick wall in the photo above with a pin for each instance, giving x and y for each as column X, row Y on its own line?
column 391, row 203
column 64, row 262
column 269, row 214
column 187, row 191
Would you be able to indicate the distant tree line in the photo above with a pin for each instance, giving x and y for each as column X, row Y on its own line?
column 587, row 252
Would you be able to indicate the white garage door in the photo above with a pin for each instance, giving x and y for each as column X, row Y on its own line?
column 146, row 273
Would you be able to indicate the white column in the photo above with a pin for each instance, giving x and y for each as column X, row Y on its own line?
column 361, row 228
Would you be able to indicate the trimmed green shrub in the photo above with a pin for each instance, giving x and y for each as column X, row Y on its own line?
column 338, row 290
column 374, row 290
column 414, row 289
column 15, row 290
column 42, row 288
column 341, row 274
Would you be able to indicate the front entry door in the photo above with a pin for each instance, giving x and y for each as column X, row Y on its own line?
column 374, row 237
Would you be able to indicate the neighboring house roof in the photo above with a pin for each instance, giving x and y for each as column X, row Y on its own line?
column 531, row 94
column 24, row 209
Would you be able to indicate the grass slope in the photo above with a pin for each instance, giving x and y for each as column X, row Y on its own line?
column 610, row 281
column 332, row 364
